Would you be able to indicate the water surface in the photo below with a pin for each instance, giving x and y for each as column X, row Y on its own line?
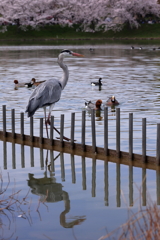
column 75, row 197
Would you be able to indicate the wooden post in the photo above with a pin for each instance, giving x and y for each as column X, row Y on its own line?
column 13, row 156
column 144, row 140
column 62, row 130
column 41, row 158
column 93, row 130
column 22, row 156
column 118, row 132
column 118, row 184
column 13, row 122
column 106, row 184
column 131, row 136
column 72, row 129
column 144, row 187
column 106, row 131
column 41, row 131
column 51, row 130
column 93, row 177
column 22, row 125
column 31, row 129
column 158, row 144
column 4, row 120
column 32, row 156
column 62, row 167
column 52, row 161
column 84, row 173
column 4, row 154
column 73, row 169
column 83, row 130
column 130, row 185
column 158, row 185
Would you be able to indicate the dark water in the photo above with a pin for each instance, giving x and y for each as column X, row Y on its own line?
column 78, row 198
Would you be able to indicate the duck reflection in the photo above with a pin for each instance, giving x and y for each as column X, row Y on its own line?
column 113, row 109
column 50, row 191
column 98, row 115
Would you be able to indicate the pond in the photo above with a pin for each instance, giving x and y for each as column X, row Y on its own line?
column 133, row 76
column 75, row 197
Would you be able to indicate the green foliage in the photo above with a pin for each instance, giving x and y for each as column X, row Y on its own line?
column 60, row 32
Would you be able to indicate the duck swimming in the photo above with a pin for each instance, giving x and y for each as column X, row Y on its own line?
column 112, row 101
column 90, row 105
column 17, row 84
column 34, row 83
column 99, row 83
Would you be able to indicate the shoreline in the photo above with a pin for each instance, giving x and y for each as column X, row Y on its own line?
column 78, row 39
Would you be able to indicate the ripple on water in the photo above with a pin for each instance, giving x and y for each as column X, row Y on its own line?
column 133, row 77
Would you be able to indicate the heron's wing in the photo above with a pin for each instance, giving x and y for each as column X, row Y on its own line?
column 48, row 92
column 45, row 94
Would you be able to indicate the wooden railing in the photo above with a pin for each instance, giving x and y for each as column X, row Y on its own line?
column 51, row 143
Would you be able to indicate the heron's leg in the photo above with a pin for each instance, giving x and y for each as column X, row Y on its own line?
column 46, row 121
column 49, row 122
column 49, row 115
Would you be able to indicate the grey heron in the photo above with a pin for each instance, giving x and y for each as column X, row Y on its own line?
column 49, row 92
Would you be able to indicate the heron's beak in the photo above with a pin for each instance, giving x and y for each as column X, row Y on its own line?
column 77, row 54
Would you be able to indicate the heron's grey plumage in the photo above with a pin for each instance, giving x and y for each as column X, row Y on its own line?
column 44, row 95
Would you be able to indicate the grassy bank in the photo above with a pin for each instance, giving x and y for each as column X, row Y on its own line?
column 58, row 32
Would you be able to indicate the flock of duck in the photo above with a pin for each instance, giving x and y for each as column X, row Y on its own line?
column 30, row 84
column 112, row 101
column 140, row 48
column 97, row 105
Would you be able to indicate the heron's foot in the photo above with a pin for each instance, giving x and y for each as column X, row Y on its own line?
column 65, row 138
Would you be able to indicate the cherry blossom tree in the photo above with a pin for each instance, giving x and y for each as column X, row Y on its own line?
column 89, row 15
column 132, row 10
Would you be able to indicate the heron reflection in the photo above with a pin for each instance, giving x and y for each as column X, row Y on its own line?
column 50, row 191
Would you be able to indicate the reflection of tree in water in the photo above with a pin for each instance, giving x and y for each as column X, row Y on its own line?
column 11, row 206
column 50, row 191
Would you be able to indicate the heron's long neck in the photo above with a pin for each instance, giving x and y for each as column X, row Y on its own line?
column 64, row 79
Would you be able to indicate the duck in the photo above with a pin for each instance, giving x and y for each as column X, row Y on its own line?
column 90, row 105
column 17, row 84
column 132, row 47
column 112, row 101
column 140, row 48
column 28, row 85
column 99, row 83
column 34, row 83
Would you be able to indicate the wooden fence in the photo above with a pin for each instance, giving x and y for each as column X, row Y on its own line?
column 81, row 148
column 53, row 157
